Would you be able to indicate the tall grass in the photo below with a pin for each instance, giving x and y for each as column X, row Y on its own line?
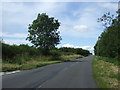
column 25, row 62
column 71, row 57
column 115, row 61
column 106, row 72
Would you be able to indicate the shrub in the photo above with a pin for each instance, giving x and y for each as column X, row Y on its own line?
column 55, row 54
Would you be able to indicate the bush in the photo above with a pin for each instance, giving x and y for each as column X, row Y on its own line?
column 71, row 51
column 21, row 53
column 15, row 52
column 8, row 51
column 55, row 54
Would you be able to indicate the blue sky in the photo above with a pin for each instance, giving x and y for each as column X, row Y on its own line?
column 79, row 27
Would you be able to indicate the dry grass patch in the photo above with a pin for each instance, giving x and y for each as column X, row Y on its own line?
column 105, row 73
column 27, row 65
column 35, row 62
column 71, row 57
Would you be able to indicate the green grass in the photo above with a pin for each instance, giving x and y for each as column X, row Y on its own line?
column 34, row 62
column 115, row 61
column 105, row 72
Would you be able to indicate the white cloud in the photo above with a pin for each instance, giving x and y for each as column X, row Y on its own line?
column 17, row 16
column 80, row 32
column 80, row 28
column 87, row 47
column 24, row 13
column 14, row 35
column 83, row 47
column 16, row 41
column 69, row 45
column 85, row 25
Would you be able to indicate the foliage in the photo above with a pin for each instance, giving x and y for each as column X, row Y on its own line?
column 55, row 54
column 83, row 52
column 79, row 51
column 71, row 57
column 108, row 44
column 43, row 32
column 22, row 53
column 105, row 72
column 13, row 52
column 34, row 62
column 110, row 60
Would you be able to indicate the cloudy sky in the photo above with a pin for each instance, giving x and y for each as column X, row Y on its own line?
column 79, row 27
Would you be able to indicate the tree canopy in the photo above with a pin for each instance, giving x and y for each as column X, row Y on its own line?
column 43, row 32
column 108, row 44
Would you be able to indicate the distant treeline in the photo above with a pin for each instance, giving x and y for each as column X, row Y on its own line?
column 108, row 44
column 70, row 51
column 13, row 52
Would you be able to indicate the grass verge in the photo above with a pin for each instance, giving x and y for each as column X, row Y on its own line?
column 35, row 63
column 70, row 57
column 106, row 72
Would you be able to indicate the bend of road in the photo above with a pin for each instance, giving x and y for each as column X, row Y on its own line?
column 72, row 74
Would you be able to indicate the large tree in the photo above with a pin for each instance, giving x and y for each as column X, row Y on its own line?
column 108, row 44
column 43, row 32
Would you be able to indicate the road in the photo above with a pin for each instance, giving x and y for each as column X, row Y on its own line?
column 72, row 74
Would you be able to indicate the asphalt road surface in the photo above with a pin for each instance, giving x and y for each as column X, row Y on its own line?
column 72, row 74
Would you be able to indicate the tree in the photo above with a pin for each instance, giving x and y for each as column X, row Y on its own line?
column 43, row 32
column 108, row 44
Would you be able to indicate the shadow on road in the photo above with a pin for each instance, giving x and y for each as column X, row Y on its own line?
column 74, row 61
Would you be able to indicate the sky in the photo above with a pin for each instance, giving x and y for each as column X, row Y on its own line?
column 79, row 27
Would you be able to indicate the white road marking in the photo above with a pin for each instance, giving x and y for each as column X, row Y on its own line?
column 3, row 73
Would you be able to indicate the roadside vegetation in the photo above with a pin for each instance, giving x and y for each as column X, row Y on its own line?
column 108, row 44
column 105, row 71
column 23, row 57
column 107, row 50
column 35, row 62
column 44, row 35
